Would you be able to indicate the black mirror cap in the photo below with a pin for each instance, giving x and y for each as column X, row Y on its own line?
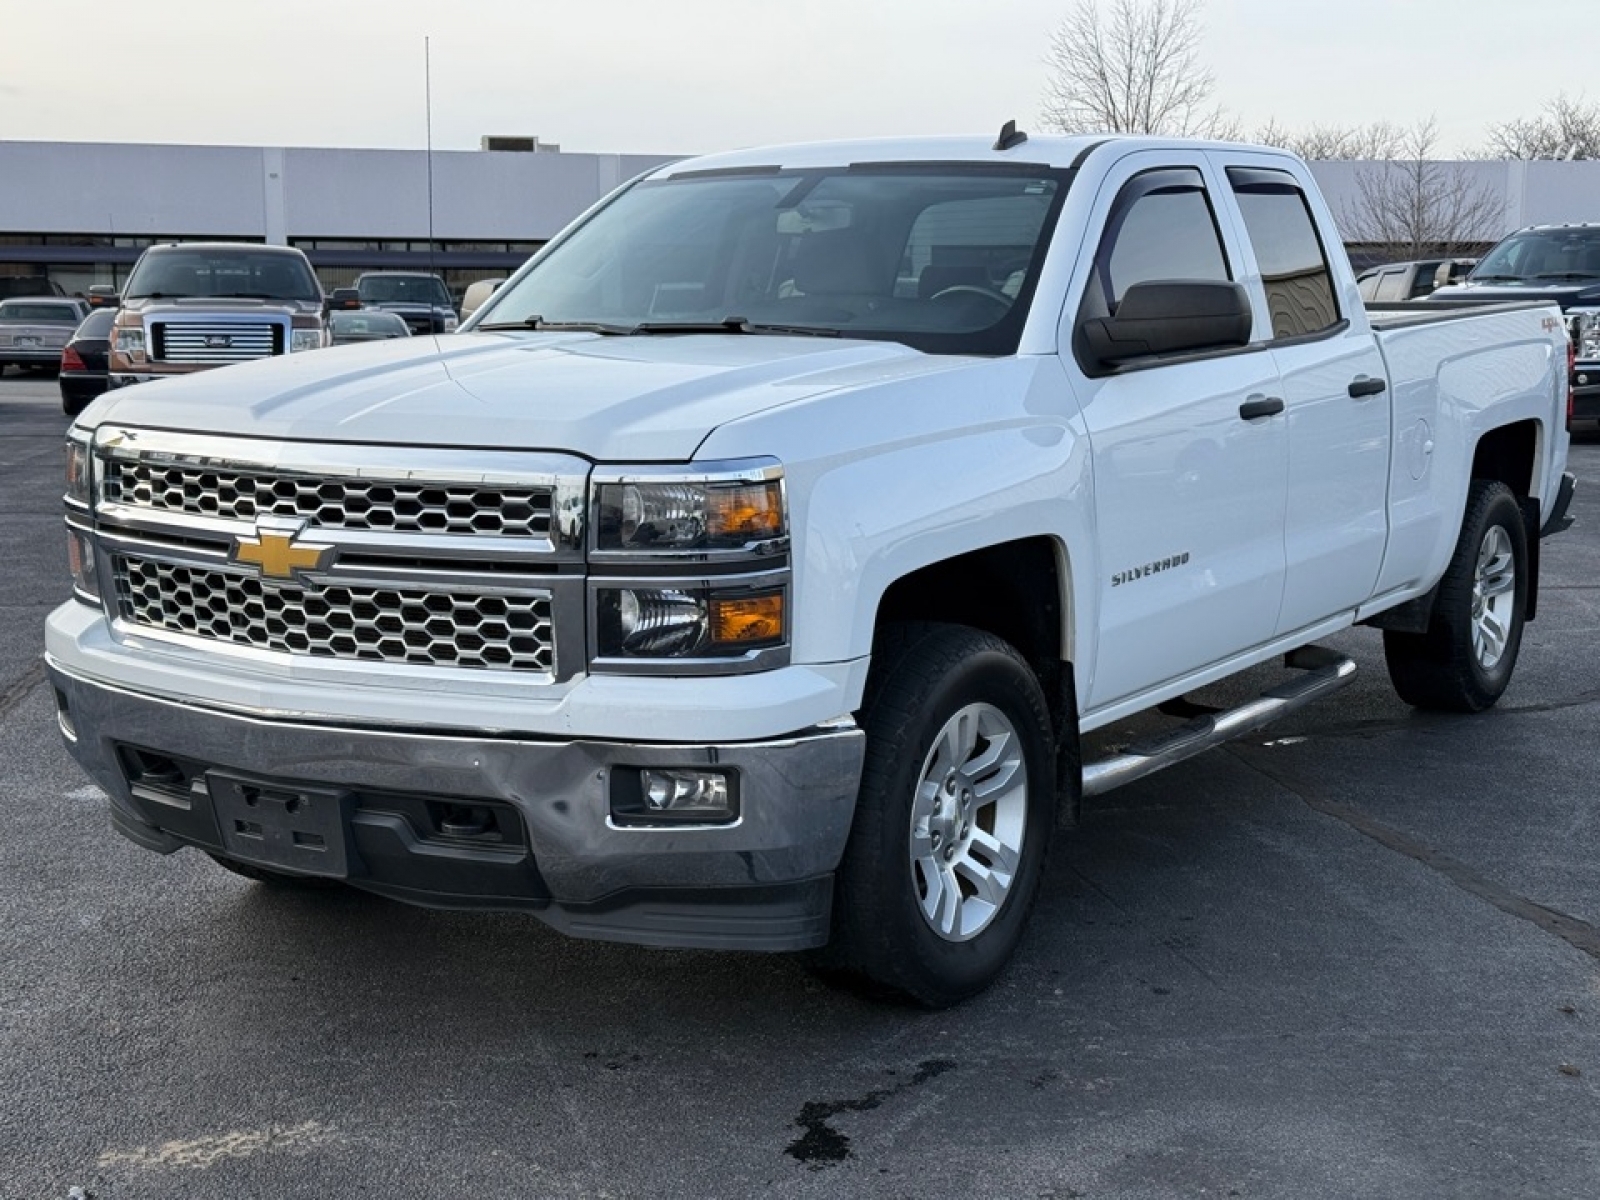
column 1170, row 316
column 103, row 296
column 343, row 299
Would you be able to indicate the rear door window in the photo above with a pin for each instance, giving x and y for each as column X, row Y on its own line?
column 1289, row 252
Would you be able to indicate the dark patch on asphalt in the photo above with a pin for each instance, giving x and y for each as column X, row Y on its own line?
column 1578, row 934
column 822, row 1145
column 18, row 691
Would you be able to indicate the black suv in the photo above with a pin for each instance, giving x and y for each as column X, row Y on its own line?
column 420, row 298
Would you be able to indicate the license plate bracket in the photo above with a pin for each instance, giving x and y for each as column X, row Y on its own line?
column 287, row 826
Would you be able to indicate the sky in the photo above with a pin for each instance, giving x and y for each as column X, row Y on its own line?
column 695, row 76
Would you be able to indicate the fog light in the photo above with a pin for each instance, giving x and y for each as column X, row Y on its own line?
column 673, row 795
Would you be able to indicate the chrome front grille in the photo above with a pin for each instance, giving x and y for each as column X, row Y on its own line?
column 407, row 625
column 401, row 506
column 418, row 558
column 215, row 342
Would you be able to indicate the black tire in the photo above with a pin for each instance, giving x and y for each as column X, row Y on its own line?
column 1446, row 668
column 266, row 875
column 923, row 676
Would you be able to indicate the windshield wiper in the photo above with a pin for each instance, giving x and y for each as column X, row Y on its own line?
column 1565, row 275
column 249, row 296
column 163, row 296
column 1495, row 279
column 542, row 325
column 732, row 325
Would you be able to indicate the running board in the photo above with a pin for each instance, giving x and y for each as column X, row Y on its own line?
column 1325, row 672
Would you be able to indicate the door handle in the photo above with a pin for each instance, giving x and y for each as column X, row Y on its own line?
column 1261, row 406
column 1361, row 387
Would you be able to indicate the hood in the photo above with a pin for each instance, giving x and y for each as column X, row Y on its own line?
column 1567, row 295
column 622, row 399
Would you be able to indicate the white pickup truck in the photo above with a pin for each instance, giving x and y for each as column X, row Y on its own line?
column 744, row 573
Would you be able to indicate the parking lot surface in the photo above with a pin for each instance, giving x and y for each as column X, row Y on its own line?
column 1357, row 954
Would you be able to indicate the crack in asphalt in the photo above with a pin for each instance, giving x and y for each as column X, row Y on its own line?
column 1578, row 934
column 19, row 690
column 1416, row 722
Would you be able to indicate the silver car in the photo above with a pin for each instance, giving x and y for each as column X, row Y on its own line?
column 34, row 329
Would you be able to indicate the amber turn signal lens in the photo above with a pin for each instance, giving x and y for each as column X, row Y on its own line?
column 751, row 512
column 746, row 620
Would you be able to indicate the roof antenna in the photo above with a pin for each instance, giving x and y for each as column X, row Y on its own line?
column 427, row 91
column 1010, row 136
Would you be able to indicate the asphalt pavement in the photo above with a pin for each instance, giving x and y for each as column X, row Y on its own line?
column 1352, row 956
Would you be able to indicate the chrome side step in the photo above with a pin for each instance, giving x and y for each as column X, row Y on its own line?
column 1325, row 672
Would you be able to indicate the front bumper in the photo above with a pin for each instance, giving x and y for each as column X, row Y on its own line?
column 763, row 882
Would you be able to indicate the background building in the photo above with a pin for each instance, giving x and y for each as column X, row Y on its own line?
column 81, row 212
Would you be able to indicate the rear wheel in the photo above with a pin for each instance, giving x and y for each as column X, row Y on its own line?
column 1463, row 663
column 955, row 812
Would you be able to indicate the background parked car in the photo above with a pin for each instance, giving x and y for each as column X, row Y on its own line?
column 366, row 325
column 83, row 361
column 34, row 330
column 1411, row 280
column 420, row 298
column 476, row 294
column 28, row 285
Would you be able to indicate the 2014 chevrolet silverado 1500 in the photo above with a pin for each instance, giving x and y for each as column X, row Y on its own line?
column 745, row 572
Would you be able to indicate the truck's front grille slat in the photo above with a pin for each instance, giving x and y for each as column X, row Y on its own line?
column 360, row 504
column 401, row 625
column 197, row 342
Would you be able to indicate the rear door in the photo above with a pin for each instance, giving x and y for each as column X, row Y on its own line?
column 1189, row 493
column 1334, row 386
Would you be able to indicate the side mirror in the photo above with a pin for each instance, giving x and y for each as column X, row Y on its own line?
column 1170, row 316
column 344, row 298
column 103, row 296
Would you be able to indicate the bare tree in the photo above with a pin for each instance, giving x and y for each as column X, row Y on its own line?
column 1135, row 69
column 1326, row 143
column 1564, row 128
column 1414, row 206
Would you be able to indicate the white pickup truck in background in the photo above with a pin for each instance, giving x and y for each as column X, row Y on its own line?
column 745, row 571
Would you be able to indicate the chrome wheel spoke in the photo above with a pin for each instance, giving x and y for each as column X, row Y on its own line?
column 1494, row 586
column 968, row 819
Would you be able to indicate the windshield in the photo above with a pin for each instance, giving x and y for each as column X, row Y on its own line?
column 193, row 271
column 943, row 257
column 1543, row 254
column 403, row 289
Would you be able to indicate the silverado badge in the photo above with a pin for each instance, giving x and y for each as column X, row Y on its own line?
column 277, row 554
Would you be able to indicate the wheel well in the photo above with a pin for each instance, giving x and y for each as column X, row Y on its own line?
column 1012, row 591
column 1508, row 454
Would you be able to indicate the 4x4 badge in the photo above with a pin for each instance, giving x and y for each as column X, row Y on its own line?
column 277, row 555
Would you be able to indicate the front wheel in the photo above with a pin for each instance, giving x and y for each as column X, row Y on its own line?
column 954, row 815
column 1463, row 663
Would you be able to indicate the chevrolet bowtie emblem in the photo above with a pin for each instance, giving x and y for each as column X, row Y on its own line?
column 278, row 555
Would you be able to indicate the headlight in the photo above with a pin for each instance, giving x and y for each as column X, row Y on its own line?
column 80, row 472
column 129, row 341
column 305, row 339
column 1586, row 335
column 736, row 511
column 704, row 621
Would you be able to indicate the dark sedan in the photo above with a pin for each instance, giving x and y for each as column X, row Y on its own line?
column 83, row 361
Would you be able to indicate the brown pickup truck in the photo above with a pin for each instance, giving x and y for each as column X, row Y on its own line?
column 193, row 305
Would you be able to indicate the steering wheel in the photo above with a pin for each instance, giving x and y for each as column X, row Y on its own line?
column 973, row 289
